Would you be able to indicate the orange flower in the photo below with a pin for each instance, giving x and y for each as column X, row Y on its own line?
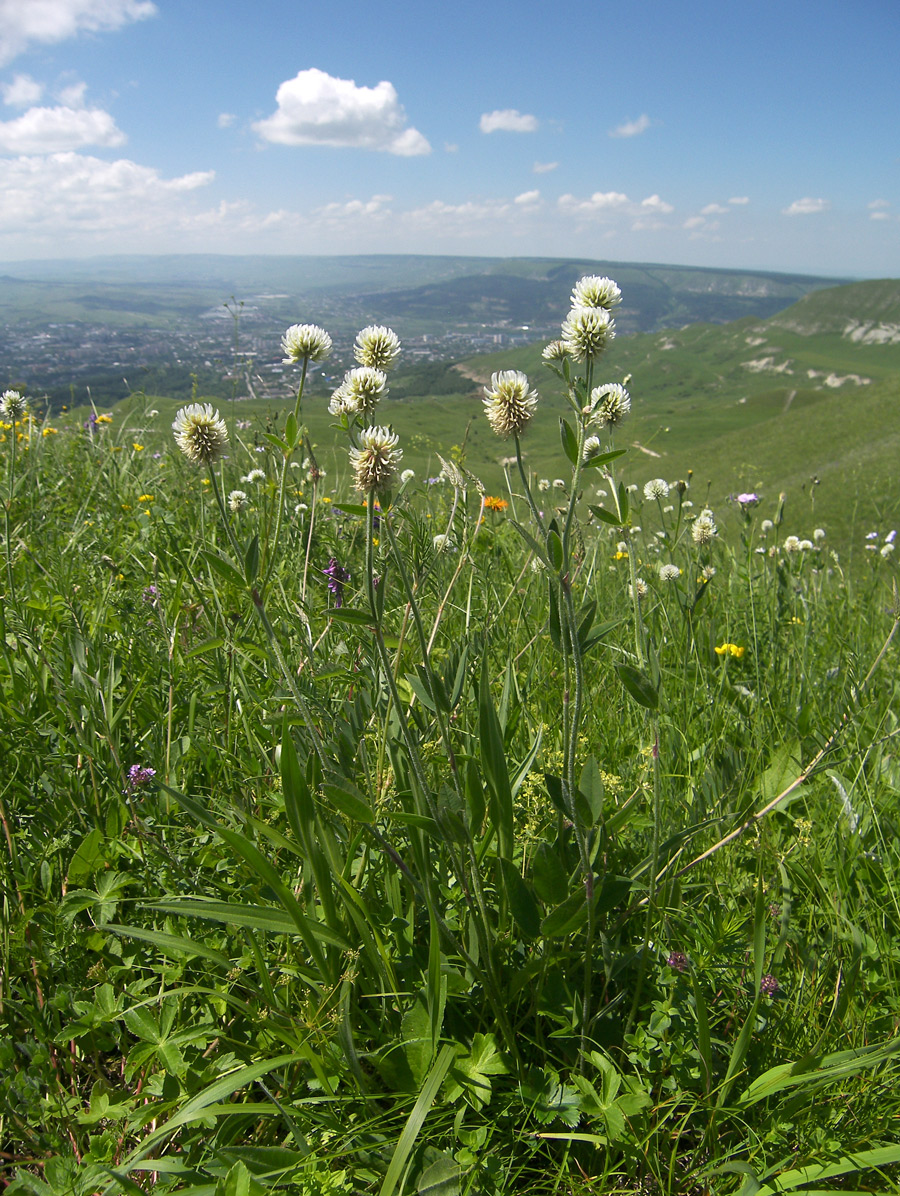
column 495, row 504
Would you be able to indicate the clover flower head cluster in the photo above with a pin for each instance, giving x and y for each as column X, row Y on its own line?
column 237, row 501
column 658, row 488
column 375, row 461
column 587, row 331
column 610, row 404
column 377, row 346
column 704, row 529
column 592, row 447
column 792, row 544
column 640, row 588
column 509, row 402
column 443, row 543
column 200, row 433
column 360, row 391
column 594, row 291
column 13, row 405
column 305, row 342
column 669, row 573
column 555, row 351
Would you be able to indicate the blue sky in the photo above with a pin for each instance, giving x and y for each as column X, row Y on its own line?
column 760, row 135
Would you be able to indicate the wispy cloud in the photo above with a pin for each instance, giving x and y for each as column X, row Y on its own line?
column 806, row 207
column 55, row 130
column 507, row 120
column 544, row 167
column 24, row 23
column 632, row 128
column 739, row 199
column 528, row 200
column 878, row 209
column 653, row 203
column 225, row 120
column 315, row 108
column 600, row 201
column 713, row 209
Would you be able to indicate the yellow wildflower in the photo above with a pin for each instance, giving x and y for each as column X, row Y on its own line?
column 49, row 431
column 620, row 556
column 138, row 448
column 104, row 419
column 730, row 650
column 145, row 498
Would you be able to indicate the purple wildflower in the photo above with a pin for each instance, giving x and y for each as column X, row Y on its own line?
column 747, row 500
column 151, row 595
column 138, row 776
column 337, row 576
column 678, row 961
column 768, row 985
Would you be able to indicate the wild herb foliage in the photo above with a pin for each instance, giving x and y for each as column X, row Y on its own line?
column 419, row 839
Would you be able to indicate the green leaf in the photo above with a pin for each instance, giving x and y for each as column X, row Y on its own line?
column 493, row 762
column 555, row 551
column 524, row 908
column 440, row 1178
column 358, row 618
column 638, row 685
column 224, row 567
column 171, row 943
column 604, row 516
column 290, row 430
column 349, row 801
column 603, row 458
column 551, row 880
column 87, row 857
column 591, row 788
column 622, row 502
column 251, row 560
column 349, row 508
column 568, row 917
column 569, row 441
column 415, row 1122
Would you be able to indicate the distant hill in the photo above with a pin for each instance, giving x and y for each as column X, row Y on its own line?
column 414, row 293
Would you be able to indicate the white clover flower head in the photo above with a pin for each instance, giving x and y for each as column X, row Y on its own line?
column 509, row 402
column 361, row 389
column 375, row 461
column 622, row 546
column 766, row 526
column 887, row 549
column 594, row 291
column 300, row 508
column 587, row 331
column 669, row 573
column 792, row 544
column 658, row 489
column 592, row 447
column 543, row 484
column 152, row 414
column 640, row 588
column 806, row 545
column 610, row 404
column 443, row 543
column 537, row 565
column 237, row 500
column 255, row 475
column 407, row 476
column 377, row 347
column 13, row 404
column 703, row 529
column 555, row 351
column 559, row 484
column 687, row 504
column 819, row 534
column 200, row 433
column 668, row 509
column 305, row 342
column 708, row 572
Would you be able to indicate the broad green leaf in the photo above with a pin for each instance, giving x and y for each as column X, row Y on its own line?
column 638, row 685
column 569, row 441
column 568, row 917
column 225, row 568
column 493, row 762
column 524, row 908
column 604, row 516
column 87, row 856
column 349, row 800
column 555, row 550
column 551, row 880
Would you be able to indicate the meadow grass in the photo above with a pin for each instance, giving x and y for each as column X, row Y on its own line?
column 410, row 838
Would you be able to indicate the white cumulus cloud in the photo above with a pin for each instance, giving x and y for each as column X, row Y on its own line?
column 653, row 203
column 739, row 199
column 58, row 196
column 712, row 209
column 544, row 167
column 806, row 206
column 353, row 209
column 507, row 120
column 528, row 199
column 55, row 130
column 694, row 222
column 315, row 108
column 22, row 92
column 26, row 22
column 632, row 128
column 600, row 201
